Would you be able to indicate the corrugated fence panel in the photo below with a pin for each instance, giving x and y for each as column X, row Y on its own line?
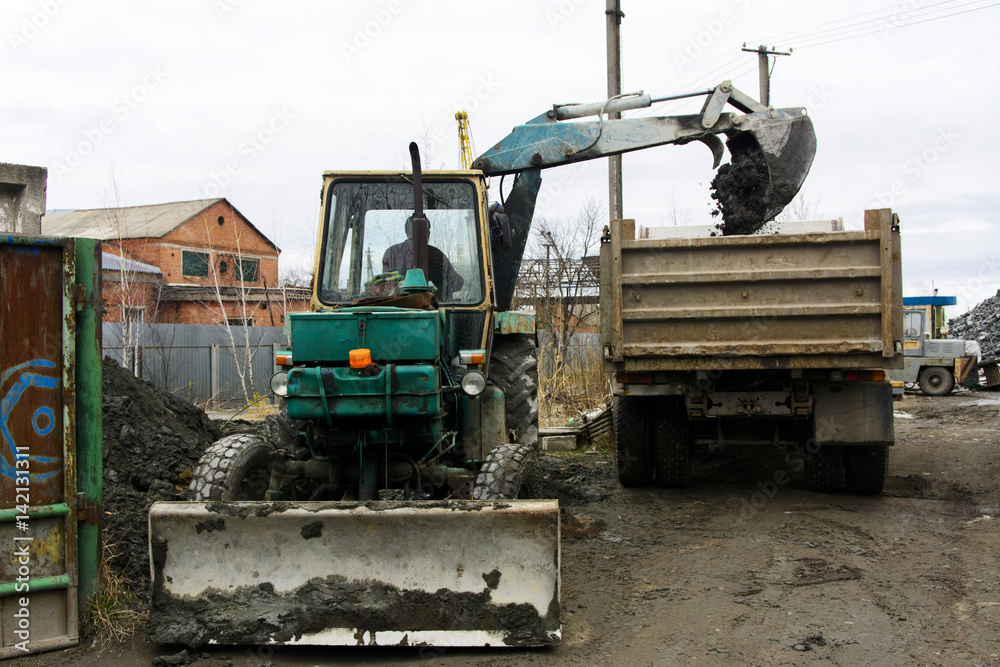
column 198, row 362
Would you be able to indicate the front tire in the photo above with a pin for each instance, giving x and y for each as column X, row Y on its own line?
column 936, row 381
column 510, row 472
column 866, row 468
column 514, row 368
column 238, row 467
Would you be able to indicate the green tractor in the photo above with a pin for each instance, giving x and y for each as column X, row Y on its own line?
column 393, row 503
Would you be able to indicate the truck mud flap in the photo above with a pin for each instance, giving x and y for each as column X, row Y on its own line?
column 443, row 573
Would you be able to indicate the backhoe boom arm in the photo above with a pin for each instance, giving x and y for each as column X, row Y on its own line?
column 784, row 137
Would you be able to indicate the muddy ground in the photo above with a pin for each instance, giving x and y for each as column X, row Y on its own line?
column 735, row 570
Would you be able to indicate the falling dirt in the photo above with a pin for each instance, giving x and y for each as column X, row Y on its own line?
column 740, row 191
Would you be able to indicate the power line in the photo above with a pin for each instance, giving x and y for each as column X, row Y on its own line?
column 787, row 36
column 903, row 25
column 812, row 37
column 828, row 35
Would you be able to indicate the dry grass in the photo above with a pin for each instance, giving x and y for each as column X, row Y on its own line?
column 114, row 613
column 572, row 390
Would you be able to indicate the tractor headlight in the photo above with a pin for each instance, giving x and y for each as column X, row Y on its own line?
column 473, row 383
column 279, row 383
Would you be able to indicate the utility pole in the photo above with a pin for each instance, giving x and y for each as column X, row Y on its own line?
column 762, row 70
column 614, row 15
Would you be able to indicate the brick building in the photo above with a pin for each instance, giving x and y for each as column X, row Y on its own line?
column 193, row 262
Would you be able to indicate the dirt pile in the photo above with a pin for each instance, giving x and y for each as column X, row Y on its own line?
column 152, row 440
column 740, row 189
column 981, row 324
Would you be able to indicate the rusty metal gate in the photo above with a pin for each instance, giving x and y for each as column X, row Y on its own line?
column 38, row 516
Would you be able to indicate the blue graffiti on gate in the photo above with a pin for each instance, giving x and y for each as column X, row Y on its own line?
column 43, row 421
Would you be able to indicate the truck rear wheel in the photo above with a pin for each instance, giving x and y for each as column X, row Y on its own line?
column 514, row 368
column 672, row 460
column 866, row 468
column 936, row 381
column 632, row 452
column 825, row 469
column 238, row 467
column 509, row 472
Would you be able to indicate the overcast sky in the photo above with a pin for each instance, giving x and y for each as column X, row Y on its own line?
column 253, row 100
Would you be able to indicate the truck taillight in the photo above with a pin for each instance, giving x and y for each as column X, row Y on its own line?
column 864, row 376
column 283, row 359
column 635, row 378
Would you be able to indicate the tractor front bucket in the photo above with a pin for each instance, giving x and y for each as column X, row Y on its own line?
column 443, row 573
column 786, row 143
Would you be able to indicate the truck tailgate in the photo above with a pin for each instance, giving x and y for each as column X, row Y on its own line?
column 823, row 300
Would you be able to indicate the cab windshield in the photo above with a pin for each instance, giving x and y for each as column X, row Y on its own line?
column 366, row 251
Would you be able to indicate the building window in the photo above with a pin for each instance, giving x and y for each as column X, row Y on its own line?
column 247, row 270
column 223, row 267
column 239, row 321
column 194, row 264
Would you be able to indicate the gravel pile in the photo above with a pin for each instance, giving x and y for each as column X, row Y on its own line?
column 981, row 324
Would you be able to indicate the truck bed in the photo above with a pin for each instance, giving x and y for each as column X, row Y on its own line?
column 777, row 301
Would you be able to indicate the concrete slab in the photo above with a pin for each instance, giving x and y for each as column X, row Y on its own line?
column 559, row 443
column 22, row 198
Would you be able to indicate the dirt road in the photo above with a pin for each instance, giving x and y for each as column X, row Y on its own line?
column 740, row 570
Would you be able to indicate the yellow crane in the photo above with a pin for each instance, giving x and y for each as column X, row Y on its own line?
column 464, row 139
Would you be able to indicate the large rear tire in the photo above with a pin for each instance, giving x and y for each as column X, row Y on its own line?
column 866, row 468
column 510, row 472
column 514, row 368
column 936, row 381
column 672, row 460
column 238, row 467
column 632, row 451
column 825, row 469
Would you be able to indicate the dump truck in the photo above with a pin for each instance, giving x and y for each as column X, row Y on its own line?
column 749, row 342
column 934, row 363
column 394, row 504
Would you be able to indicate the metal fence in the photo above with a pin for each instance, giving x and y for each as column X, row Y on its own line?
column 199, row 362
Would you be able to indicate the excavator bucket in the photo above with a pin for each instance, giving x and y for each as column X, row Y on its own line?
column 444, row 573
column 784, row 144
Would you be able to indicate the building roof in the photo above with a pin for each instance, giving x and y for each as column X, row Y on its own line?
column 112, row 262
column 131, row 222
column 930, row 300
